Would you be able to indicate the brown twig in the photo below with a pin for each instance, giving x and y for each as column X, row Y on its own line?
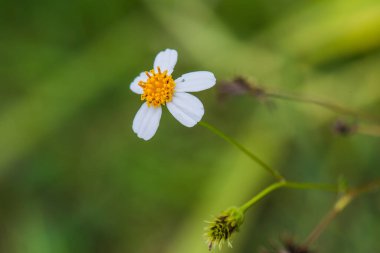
column 338, row 207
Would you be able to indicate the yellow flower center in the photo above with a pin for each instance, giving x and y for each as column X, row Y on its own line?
column 158, row 89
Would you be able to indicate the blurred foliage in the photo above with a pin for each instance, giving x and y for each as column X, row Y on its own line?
column 75, row 178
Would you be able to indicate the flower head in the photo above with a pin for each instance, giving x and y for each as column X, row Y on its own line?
column 219, row 230
column 158, row 88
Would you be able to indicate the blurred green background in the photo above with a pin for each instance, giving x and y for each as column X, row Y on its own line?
column 75, row 178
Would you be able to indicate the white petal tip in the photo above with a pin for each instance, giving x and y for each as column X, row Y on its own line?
column 166, row 60
column 186, row 108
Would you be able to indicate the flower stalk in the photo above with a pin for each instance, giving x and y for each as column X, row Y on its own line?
column 338, row 207
column 286, row 184
column 230, row 140
column 240, row 86
column 220, row 230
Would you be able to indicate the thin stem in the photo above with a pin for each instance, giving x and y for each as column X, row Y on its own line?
column 294, row 185
column 312, row 186
column 325, row 104
column 261, row 195
column 368, row 187
column 225, row 137
column 371, row 130
column 340, row 204
column 338, row 207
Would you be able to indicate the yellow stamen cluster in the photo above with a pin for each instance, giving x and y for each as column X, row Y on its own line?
column 158, row 89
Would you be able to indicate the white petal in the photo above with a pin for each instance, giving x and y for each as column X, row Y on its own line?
column 146, row 121
column 186, row 108
column 166, row 60
column 135, row 84
column 195, row 81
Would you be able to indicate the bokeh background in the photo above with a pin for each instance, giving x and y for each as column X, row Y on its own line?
column 75, row 178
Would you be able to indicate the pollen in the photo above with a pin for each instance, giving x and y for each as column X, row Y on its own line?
column 158, row 89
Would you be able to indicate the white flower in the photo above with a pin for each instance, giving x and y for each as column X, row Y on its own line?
column 158, row 88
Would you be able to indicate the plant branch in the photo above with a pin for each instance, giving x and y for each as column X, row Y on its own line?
column 256, row 159
column 294, row 185
column 338, row 207
column 328, row 105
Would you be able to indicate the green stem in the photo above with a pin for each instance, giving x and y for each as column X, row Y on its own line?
column 294, row 185
column 330, row 106
column 281, row 179
column 311, row 186
column 261, row 195
column 219, row 133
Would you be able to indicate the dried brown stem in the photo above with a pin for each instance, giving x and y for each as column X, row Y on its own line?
column 338, row 207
